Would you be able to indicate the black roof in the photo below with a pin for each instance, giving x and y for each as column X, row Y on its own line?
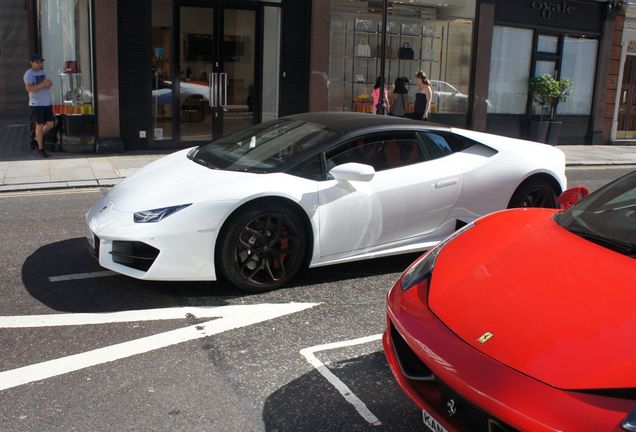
column 346, row 122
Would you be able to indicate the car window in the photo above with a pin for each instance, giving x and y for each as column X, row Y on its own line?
column 385, row 151
column 440, row 144
column 435, row 145
column 310, row 169
column 263, row 148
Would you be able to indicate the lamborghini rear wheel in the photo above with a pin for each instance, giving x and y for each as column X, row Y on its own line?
column 534, row 193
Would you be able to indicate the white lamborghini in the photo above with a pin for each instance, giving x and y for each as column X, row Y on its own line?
column 312, row 190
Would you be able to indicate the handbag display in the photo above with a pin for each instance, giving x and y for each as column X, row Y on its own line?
column 429, row 30
column 363, row 50
column 390, row 27
column 406, row 52
column 427, row 54
column 388, row 52
column 365, row 25
column 410, row 29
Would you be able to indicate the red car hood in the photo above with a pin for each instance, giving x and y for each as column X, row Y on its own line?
column 561, row 308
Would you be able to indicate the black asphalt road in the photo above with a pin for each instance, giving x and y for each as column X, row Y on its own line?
column 248, row 379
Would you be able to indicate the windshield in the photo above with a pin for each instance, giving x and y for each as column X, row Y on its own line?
column 607, row 217
column 262, row 148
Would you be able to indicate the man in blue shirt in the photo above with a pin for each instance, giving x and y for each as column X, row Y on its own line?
column 38, row 85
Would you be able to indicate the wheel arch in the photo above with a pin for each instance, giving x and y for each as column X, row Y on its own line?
column 255, row 203
column 540, row 176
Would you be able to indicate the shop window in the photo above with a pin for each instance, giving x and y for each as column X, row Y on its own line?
column 548, row 44
column 579, row 65
column 162, row 71
column 509, row 70
column 435, row 39
column 65, row 33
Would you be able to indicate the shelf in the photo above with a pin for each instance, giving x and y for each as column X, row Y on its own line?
column 392, row 58
column 397, row 34
column 426, row 40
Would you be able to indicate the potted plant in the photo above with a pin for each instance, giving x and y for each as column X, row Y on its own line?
column 548, row 92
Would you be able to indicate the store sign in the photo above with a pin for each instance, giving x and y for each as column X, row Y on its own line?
column 548, row 9
column 564, row 14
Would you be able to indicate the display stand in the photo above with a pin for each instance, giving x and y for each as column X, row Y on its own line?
column 424, row 39
column 75, row 119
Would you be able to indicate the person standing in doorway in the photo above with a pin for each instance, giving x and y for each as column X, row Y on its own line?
column 38, row 85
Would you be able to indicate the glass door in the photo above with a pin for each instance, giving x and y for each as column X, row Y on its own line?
column 627, row 102
column 217, row 64
column 197, row 58
column 239, row 64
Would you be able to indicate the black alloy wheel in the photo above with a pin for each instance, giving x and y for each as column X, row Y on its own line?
column 263, row 249
column 534, row 193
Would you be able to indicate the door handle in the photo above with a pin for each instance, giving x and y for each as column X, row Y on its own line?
column 223, row 90
column 624, row 96
column 214, row 92
column 444, row 183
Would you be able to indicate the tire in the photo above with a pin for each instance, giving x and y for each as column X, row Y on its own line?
column 534, row 193
column 262, row 249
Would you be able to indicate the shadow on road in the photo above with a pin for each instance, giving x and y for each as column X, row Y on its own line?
column 106, row 294
column 311, row 404
column 117, row 293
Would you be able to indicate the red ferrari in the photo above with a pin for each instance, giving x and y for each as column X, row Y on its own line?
column 524, row 320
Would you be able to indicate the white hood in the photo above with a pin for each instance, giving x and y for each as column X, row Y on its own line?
column 174, row 180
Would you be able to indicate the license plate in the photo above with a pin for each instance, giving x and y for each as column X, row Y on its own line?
column 431, row 423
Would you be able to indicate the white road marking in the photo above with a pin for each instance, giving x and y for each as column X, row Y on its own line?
column 78, row 276
column 76, row 319
column 342, row 388
column 229, row 318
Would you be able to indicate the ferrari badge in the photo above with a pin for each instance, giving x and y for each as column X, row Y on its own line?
column 485, row 337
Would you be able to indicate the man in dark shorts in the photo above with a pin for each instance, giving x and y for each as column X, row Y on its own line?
column 38, row 85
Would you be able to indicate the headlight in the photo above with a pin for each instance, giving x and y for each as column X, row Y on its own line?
column 629, row 423
column 155, row 215
column 423, row 268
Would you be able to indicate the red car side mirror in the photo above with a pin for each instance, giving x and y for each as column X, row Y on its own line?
column 571, row 196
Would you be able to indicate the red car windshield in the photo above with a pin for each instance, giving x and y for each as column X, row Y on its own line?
column 607, row 217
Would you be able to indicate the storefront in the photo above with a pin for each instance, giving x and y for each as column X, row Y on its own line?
column 480, row 56
column 149, row 74
column 435, row 38
column 211, row 67
column 565, row 39
column 65, row 29
column 220, row 85
column 153, row 74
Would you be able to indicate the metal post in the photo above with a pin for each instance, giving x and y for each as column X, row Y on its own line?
column 381, row 109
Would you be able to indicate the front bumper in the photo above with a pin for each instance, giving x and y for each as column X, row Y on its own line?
column 180, row 247
column 487, row 395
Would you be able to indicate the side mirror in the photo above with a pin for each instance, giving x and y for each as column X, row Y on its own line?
column 353, row 172
column 571, row 196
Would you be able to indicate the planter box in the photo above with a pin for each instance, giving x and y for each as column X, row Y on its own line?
column 554, row 132
column 538, row 130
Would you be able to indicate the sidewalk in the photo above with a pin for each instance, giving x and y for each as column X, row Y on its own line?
column 28, row 171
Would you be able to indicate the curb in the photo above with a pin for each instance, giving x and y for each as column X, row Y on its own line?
column 76, row 184
column 600, row 163
column 110, row 182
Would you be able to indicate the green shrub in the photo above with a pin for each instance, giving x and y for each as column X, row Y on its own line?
column 545, row 90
